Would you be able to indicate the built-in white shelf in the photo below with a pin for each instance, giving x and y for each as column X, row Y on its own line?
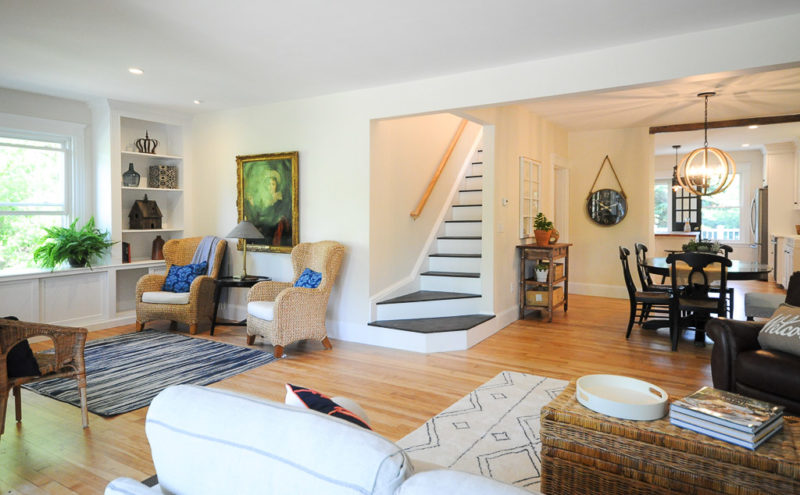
column 152, row 155
column 150, row 189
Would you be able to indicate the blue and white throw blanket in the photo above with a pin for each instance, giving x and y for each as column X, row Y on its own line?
column 206, row 251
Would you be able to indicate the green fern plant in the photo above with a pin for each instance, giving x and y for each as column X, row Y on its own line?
column 540, row 222
column 71, row 244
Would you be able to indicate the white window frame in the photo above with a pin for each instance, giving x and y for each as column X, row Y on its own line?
column 71, row 135
column 668, row 183
column 530, row 194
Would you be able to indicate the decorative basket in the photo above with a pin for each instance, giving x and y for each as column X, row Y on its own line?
column 163, row 176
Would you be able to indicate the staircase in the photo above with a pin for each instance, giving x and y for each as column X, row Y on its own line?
column 449, row 298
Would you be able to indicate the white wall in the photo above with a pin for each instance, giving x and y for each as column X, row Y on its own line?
column 594, row 259
column 404, row 156
column 332, row 134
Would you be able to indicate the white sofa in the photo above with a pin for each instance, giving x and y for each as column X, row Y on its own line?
column 212, row 441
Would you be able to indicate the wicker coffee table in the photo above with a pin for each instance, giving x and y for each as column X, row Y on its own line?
column 588, row 452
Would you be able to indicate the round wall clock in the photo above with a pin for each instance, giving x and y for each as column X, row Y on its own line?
column 607, row 206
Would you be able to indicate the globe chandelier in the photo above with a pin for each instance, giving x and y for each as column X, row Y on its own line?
column 706, row 171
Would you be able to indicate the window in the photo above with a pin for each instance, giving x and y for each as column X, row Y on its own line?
column 35, row 191
column 529, row 190
column 722, row 213
column 662, row 210
column 718, row 217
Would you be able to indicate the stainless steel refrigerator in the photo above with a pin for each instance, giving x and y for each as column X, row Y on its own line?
column 758, row 225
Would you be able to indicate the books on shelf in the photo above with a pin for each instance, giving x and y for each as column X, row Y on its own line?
column 727, row 416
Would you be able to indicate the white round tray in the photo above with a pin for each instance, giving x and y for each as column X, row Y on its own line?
column 621, row 397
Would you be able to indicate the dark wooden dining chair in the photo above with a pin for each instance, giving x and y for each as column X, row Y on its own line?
column 643, row 303
column 726, row 250
column 644, row 276
column 697, row 301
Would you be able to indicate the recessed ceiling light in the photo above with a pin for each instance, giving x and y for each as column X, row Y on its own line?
column 135, row 70
column 752, row 127
column 197, row 102
column 746, row 145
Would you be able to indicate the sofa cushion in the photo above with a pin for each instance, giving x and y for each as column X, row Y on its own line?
column 449, row 481
column 200, row 447
column 180, row 278
column 264, row 310
column 311, row 399
column 774, row 372
column 782, row 331
column 309, row 279
column 163, row 297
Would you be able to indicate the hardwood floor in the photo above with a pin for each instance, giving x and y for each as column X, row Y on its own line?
column 49, row 452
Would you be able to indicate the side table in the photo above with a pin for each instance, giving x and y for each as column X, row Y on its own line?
column 227, row 282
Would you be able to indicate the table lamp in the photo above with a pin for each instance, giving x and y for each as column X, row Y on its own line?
column 244, row 230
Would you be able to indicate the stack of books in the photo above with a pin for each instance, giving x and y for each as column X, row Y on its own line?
column 727, row 416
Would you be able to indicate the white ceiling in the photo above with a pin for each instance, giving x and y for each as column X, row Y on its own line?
column 244, row 52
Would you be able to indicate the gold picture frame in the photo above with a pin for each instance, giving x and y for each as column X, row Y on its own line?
column 263, row 183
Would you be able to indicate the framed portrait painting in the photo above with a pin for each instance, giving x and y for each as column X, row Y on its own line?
column 268, row 198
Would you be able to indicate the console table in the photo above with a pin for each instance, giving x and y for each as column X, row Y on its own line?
column 587, row 452
column 228, row 282
column 529, row 256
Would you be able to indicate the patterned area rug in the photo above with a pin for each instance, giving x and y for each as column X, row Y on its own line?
column 125, row 372
column 493, row 431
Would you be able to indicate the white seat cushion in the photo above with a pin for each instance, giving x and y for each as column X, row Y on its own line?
column 264, row 310
column 163, row 297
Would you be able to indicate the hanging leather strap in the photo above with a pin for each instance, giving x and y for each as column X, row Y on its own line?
column 621, row 189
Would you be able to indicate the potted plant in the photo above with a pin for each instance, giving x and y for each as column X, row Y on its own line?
column 71, row 244
column 541, row 272
column 541, row 229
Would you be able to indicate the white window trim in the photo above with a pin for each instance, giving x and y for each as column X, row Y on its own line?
column 22, row 126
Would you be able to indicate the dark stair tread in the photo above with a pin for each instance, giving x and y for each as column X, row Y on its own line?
column 454, row 255
column 452, row 274
column 477, row 163
column 473, row 176
column 463, row 221
column 470, row 190
column 434, row 325
column 428, row 295
column 463, row 237
column 460, row 206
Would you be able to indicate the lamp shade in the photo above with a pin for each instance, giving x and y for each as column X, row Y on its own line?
column 245, row 230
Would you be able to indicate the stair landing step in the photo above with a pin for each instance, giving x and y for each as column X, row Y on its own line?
column 454, row 255
column 465, row 237
column 472, row 176
column 462, row 206
column 434, row 325
column 463, row 221
column 452, row 274
column 428, row 295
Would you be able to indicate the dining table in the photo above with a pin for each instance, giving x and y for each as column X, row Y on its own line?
column 739, row 270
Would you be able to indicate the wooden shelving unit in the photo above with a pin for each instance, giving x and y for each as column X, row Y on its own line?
column 540, row 296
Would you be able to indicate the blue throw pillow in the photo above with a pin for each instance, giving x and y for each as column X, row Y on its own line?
column 179, row 278
column 309, row 279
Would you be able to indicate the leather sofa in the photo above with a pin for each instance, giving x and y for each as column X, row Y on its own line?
column 211, row 441
column 739, row 364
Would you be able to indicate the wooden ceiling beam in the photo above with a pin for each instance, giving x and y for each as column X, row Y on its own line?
column 778, row 119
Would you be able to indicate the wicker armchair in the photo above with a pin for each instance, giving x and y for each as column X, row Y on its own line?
column 65, row 362
column 200, row 305
column 297, row 313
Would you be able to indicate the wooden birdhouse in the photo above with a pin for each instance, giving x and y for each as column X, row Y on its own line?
column 145, row 214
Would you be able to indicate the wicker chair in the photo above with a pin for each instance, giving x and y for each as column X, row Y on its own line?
column 65, row 362
column 297, row 313
column 201, row 295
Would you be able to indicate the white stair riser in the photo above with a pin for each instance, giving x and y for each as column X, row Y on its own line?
column 473, row 183
column 466, row 213
column 459, row 228
column 460, row 246
column 451, row 284
column 429, row 309
column 475, row 169
column 470, row 197
column 463, row 265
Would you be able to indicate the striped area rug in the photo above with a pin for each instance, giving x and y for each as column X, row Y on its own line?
column 125, row 372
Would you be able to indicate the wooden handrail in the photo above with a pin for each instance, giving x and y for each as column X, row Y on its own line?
column 418, row 211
